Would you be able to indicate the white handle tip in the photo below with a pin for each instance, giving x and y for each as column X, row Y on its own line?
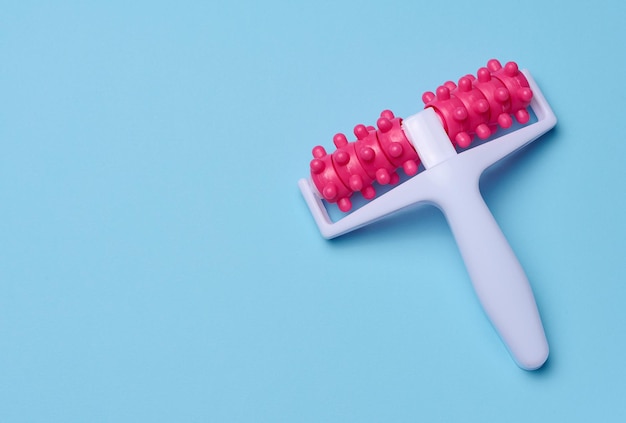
column 534, row 358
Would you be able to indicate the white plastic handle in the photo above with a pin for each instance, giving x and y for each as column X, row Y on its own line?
column 497, row 276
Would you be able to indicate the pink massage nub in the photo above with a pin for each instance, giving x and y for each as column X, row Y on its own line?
column 475, row 106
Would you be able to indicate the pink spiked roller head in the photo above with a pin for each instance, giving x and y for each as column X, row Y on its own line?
column 474, row 106
column 354, row 166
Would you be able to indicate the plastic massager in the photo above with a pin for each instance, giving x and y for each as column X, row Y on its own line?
column 437, row 137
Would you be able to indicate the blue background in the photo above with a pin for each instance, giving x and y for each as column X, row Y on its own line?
column 157, row 261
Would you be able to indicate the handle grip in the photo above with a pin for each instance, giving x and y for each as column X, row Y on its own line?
column 498, row 278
